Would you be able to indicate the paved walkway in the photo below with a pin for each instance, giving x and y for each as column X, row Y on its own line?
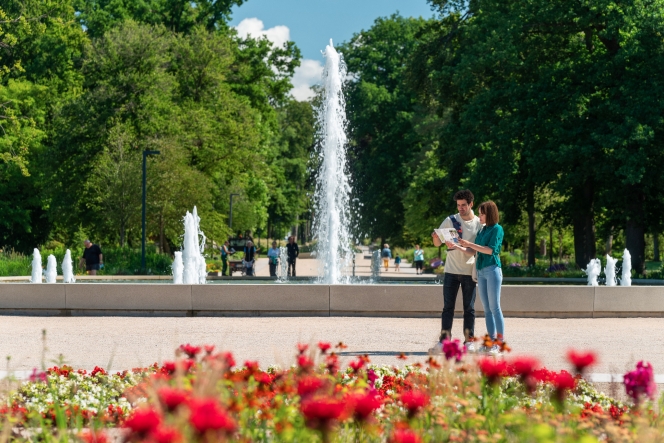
column 126, row 342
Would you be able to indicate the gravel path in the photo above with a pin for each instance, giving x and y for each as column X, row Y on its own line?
column 126, row 342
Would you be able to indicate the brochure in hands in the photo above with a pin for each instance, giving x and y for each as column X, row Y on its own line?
column 448, row 235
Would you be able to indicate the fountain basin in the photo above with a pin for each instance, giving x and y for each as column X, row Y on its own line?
column 380, row 300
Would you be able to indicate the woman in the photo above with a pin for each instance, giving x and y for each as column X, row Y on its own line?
column 249, row 257
column 489, row 273
column 273, row 258
column 418, row 259
column 387, row 255
column 225, row 252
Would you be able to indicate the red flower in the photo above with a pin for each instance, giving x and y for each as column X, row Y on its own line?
column 172, row 398
column 98, row 370
column 191, row 351
column 228, row 359
column 356, row 365
column 305, row 362
column 581, row 360
column 165, row 435
column 321, row 412
column 414, row 401
column 405, row 436
column 493, row 370
column 524, row 368
column 323, row 346
column 308, row 385
column 143, row 421
column 92, row 436
column 208, row 415
column 332, row 363
column 563, row 382
column 170, row 367
column 363, row 404
column 252, row 366
column 209, row 349
column 302, row 348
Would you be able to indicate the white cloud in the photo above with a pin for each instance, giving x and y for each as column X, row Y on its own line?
column 255, row 28
column 306, row 75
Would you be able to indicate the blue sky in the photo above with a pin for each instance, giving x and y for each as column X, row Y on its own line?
column 311, row 24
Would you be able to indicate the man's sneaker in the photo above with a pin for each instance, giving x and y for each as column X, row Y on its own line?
column 437, row 349
column 495, row 350
column 470, row 346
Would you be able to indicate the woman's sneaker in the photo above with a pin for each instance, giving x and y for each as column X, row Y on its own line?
column 437, row 349
column 495, row 350
column 470, row 346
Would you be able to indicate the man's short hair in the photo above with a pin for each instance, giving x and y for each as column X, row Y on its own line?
column 490, row 210
column 464, row 195
column 86, row 241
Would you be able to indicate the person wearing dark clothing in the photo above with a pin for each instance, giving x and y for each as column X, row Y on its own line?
column 92, row 257
column 249, row 257
column 293, row 252
column 225, row 252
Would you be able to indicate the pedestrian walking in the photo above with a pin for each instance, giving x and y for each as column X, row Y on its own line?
column 273, row 259
column 249, row 257
column 397, row 262
column 92, row 258
column 489, row 271
column 387, row 255
column 293, row 251
column 418, row 259
column 459, row 269
column 225, row 252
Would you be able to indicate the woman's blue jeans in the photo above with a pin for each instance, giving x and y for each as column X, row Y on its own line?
column 489, row 280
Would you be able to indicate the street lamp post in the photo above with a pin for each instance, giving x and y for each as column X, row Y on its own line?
column 145, row 192
column 230, row 218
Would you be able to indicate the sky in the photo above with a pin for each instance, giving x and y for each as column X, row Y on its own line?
column 312, row 23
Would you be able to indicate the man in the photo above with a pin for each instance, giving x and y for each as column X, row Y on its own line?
column 293, row 252
column 249, row 258
column 459, row 268
column 387, row 255
column 225, row 252
column 92, row 257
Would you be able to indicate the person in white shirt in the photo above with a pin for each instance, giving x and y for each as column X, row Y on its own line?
column 459, row 268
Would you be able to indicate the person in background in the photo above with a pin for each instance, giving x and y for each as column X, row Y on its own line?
column 225, row 252
column 273, row 258
column 397, row 262
column 489, row 271
column 250, row 257
column 418, row 259
column 293, row 252
column 92, row 258
column 459, row 269
column 387, row 255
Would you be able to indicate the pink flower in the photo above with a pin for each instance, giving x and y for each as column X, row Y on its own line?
column 453, row 349
column 640, row 382
column 37, row 375
column 371, row 377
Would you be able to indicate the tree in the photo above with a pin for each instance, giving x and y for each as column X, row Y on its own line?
column 386, row 126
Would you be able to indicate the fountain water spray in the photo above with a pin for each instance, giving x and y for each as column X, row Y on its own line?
column 626, row 279
column 331, row 211
column 177, row 267
column 36, row 267
column 194, row 271
column 283, row 264
column 51, row 269
column 592, row 271
column 67, row 268
column 610, row 270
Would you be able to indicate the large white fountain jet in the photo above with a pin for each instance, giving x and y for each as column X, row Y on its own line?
column 610, row 270
column 593, row 270
column 192, row 254
column 68, row 268
column 332, row 184
column 51, row 269
column 36, row 267
column 178, row 268
column 626, row 279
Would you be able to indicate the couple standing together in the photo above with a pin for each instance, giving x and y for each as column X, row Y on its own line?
column 480, row 239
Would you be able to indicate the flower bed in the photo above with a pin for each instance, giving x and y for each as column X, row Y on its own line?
column 202, row 396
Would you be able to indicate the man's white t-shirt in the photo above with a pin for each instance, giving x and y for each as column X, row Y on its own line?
column 457, row 261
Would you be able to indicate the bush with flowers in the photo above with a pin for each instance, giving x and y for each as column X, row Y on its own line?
column 202, row 396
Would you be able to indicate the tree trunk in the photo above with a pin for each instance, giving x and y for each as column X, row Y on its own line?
column 655, row 246
column 609, row 245
column 162, row 240
column 550, row 245
column 584, row 225
column 530, row 207
column 122, row 235
column 560, row 245
column 635, row 233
